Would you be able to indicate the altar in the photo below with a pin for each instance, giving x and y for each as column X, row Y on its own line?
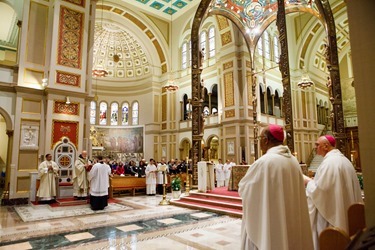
column 236, row 174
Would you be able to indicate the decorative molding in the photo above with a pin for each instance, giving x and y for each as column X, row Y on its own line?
column 66, row 78
column 60, row 107
column 70, row 38
column 230, row 113
column 228, row 89
column 76, row 2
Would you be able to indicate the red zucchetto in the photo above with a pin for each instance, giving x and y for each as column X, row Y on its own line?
column 331, row 140
column 277, row 132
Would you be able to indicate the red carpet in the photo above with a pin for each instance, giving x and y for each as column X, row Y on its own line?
column 219, row 200
column 224, row 191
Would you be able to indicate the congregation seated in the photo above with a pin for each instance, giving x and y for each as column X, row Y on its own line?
column 120, row 170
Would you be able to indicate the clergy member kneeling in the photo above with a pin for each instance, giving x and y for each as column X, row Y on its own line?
column 99, row 184
column 275, row 214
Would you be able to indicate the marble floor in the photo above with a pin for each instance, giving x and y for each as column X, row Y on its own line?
column 133, row 222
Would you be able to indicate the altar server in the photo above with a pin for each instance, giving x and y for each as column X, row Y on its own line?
column 99, row 184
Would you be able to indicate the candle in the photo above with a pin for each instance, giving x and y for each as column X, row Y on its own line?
column 351, row 157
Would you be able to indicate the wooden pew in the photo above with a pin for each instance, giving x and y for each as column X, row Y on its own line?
column 356, row 218
column 121, row 183
column 333, row 238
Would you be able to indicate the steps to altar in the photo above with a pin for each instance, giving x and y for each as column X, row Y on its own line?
column 224, row 204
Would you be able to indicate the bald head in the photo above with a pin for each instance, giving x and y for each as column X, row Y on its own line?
column 323, row 146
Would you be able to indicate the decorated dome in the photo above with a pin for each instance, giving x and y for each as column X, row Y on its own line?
column 118, row 52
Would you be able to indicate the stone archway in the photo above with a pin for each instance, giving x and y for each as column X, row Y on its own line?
column 8, row 140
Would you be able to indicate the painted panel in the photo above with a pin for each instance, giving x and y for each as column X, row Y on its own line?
column 31, row 106
column 62, row 129
column 60, row 107
column 68, row 79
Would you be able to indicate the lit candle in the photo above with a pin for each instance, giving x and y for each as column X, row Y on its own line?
column 351, row 157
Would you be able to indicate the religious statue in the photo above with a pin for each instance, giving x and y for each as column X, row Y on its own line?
column 201, row 58
column 327, row 55
column 329, row 86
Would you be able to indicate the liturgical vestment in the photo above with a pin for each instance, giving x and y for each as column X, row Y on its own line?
column 334, row 188
column 47, row 187
column 275, row 213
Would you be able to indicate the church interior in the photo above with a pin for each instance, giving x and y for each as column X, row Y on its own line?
column 172, row 79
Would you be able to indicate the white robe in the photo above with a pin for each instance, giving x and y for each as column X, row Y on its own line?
column 220, row 176
column 80, row 181
column 99, row 179
column 160, row 174
column 150, row 179
column 334, row 188
column 227, row 169
column 275, row 214
column 47, row 187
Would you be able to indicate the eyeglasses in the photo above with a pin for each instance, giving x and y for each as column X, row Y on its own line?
column 261, row 136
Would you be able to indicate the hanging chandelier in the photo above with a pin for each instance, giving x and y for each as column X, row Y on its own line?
column 171, row 84
column 98, row 69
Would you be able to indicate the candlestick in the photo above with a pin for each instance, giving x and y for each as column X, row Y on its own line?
column 187, row 186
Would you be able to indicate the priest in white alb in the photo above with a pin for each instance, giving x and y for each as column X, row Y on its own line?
column 275, row 214
column 80, row 180
column 334, row 188
column 48, row 170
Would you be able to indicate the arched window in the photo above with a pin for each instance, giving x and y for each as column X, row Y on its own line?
column 267, row 46
column 184, row 55
column 114, row 113
column 92, row 112
column 211, row 42
column 269, row 102
column 203, row 41
column 103, row 113
column 135, row 113
column 276, row 52
column 214, row 100
column 187, row 108
column 261, row 98
column 125, row 114
column 260, row 46
column 189, row 53
column 277, row 103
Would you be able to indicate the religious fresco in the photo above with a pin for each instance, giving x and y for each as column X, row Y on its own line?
column 118, row 139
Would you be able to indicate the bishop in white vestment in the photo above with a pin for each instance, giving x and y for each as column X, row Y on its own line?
column 334, row 188
column 275, row 214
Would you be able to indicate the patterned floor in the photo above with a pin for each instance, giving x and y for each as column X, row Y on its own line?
column 136, row 223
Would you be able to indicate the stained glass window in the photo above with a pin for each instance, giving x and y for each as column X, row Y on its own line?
column 103, row 113
column 276, row 51
column 267, row 46
column 92, row 112
column 114, row 114
column 211, row 42
column 203, row 42
column 135, row 113
column 125, row 114
column 184, row 55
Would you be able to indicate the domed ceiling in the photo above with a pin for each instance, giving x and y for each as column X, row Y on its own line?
column 118, row 52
